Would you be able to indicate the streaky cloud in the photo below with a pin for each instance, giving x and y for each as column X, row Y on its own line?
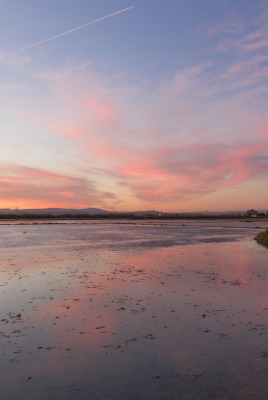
column 65, row 33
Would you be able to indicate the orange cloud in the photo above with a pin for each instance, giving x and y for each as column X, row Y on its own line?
column 198, row 132
column 33, row 187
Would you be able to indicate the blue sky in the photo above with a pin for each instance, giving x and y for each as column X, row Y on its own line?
column 161, row 106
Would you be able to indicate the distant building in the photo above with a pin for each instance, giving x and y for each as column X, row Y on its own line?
column 251, row 213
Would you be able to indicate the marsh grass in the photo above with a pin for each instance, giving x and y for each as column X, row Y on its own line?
column 262, row 238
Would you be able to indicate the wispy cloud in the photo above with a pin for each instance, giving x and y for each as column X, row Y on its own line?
column 33, row 187
column 200, row 131
column 249, row 37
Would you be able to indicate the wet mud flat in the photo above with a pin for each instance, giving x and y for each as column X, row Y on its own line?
column 133, row 311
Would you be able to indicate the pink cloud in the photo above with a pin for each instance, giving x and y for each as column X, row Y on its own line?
column 200, row 131
column 186, row 143
column 33, row 187
column 247, row 38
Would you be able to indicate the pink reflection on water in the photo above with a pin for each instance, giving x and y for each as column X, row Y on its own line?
column 195, row 315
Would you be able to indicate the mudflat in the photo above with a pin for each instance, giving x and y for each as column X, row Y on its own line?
column 133, row 310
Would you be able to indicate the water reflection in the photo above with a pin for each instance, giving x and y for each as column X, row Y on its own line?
column 88, row 311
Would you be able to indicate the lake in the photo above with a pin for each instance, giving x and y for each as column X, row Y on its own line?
column 134, row 310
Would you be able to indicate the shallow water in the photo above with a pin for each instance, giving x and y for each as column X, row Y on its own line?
column 133, row 310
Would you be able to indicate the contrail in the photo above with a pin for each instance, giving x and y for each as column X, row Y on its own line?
column 65, row 33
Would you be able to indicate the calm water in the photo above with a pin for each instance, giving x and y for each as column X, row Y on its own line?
column 133, row 310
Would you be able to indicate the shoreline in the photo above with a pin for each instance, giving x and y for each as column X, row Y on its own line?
column 262, row 238
column 108, row 217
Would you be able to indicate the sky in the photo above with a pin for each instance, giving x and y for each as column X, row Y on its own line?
column 130, row 105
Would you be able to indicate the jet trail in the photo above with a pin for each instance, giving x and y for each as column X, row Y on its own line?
column 65, row 33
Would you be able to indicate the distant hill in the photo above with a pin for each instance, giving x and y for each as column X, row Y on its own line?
column 149, row 212
column 72, row 213
column 6, row 211
column 80, row 211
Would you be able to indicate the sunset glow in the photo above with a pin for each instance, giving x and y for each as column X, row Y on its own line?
column 163, row 106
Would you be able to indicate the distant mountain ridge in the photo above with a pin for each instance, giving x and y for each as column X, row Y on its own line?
column 59, row 211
